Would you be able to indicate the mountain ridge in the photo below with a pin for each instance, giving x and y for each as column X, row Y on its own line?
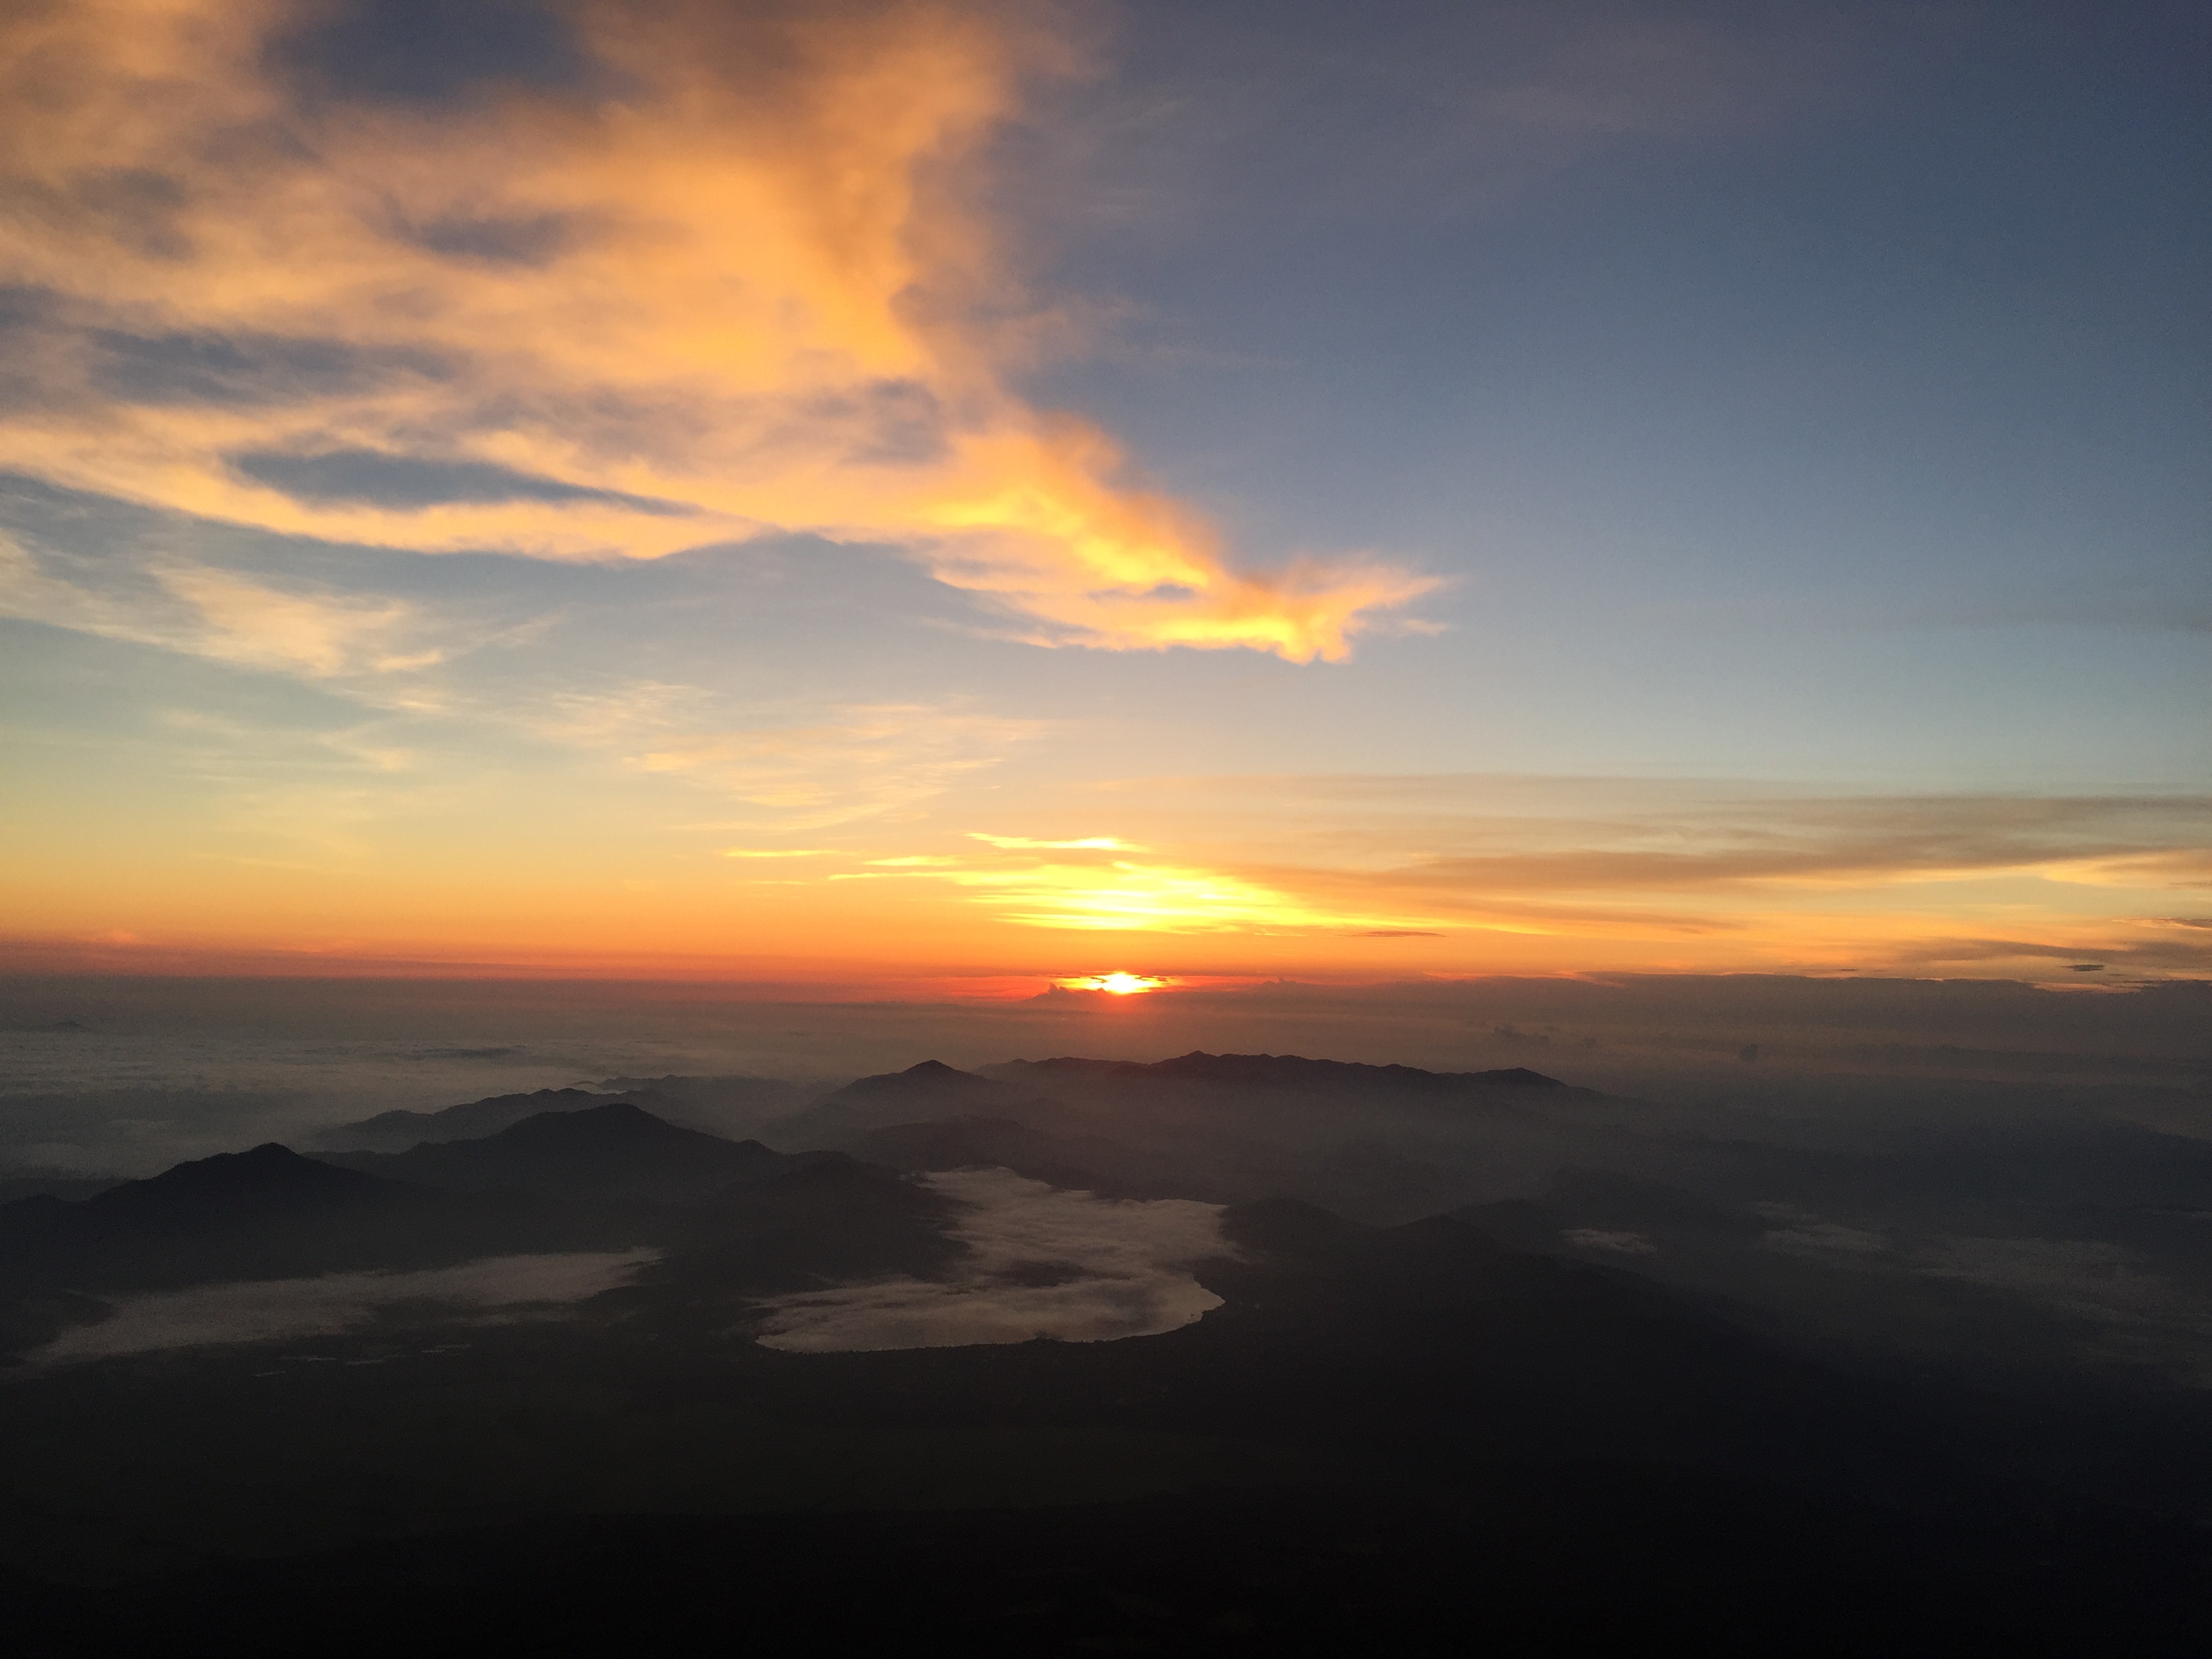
column 613, row 1151
column 1284, row 1071
column 401, row 1130
column 929, row 1088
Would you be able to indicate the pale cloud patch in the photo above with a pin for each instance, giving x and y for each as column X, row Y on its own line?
column 1618, row 1243
column 496, row 1288
column 2088, row 1278
column 1042, row 1261
column 266, row 628
column 863, row 760
column 2135, row 1314
column 224, row 616
column 1088, row 843
column 1634, row 77
column 611, row 715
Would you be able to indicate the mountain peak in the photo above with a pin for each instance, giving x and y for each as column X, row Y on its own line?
column 271, row 1175
column 616, row 1115
column 615, row 1150
column 1298, row 1070
column 930, row 1076
column 271, row 1164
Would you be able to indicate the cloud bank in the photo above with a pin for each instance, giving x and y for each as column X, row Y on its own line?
column 1043, row 1262
column 676, row 274
column 280, row 1310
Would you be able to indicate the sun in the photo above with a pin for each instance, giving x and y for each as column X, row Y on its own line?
column 1121, row 984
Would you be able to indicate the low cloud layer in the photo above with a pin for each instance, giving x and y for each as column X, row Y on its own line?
column 271, row 1310
column 2131, row 1308
column 1044, row 1262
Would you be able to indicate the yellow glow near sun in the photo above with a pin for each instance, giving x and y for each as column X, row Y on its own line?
column 1118, row 983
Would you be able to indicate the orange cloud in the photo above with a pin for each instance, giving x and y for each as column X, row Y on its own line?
column 725, row 291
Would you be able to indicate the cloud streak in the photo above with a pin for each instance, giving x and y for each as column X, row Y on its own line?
column 718, row 282
column 281, row 1309
column 860, row 762
column 1704, row 870
column 223, row 615
column 1042, row 1263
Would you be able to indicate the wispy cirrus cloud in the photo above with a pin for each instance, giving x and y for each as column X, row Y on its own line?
column 712, row 280
column 224, row 615
column 861, row 760
column 1027, row 844
column 1705, row 871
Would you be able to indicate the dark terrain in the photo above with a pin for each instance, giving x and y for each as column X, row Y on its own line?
column 1468, row 1427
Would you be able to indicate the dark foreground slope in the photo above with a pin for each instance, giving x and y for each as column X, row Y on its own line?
column 1386, row 1439
column 1592, row 1559
column 1401, row 1440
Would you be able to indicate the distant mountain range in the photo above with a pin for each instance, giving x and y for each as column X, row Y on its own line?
column 1279, row 1071
column 394, row 1132
column 731, row 1106
column 929, row 1090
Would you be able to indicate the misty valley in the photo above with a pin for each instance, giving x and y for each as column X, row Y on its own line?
column 1220, row 1353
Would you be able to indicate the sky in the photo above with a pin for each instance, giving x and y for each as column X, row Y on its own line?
column 984, row 495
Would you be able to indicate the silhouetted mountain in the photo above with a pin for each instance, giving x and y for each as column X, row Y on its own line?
column 610, row 1152
column 396, row 1132
column 268, row 1213
column 1434, row 1345
column 33, row 1184
column 820, row 1219
column 228, row 1192
column 1279, row 1071
column 929, row 1090
column 1557, row 1424
column 732, row 1106
column 1387, row 1412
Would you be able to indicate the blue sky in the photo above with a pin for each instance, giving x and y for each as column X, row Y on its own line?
column 1717, row 410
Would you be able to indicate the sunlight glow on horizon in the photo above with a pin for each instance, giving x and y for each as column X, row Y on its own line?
column 1117, row 983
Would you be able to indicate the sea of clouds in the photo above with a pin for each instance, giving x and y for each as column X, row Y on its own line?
column 1043, row 1261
